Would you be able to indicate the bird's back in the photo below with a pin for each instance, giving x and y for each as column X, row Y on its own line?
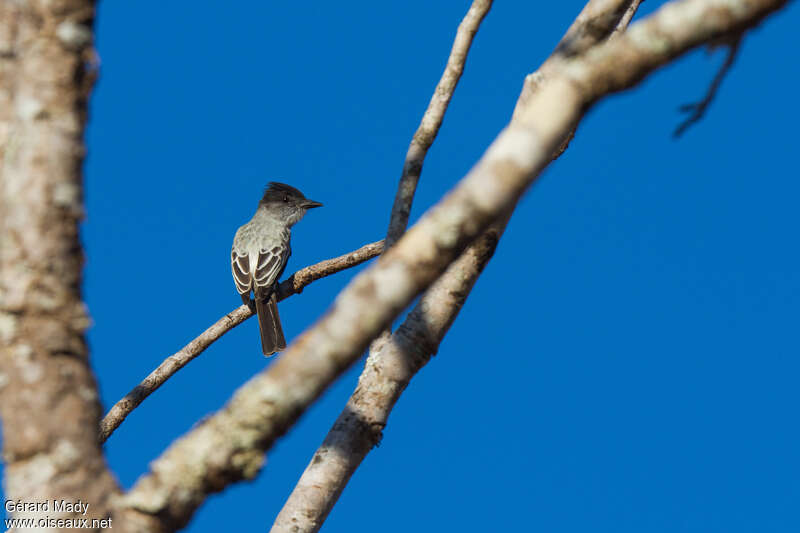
column 264, row 242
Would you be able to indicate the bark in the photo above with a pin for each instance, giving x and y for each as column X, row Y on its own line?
column 595, row 23
column 48, row 396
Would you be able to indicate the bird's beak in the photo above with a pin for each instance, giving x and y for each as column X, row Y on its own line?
column 310, row 204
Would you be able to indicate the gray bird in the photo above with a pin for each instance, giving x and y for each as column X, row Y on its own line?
column 259, row 254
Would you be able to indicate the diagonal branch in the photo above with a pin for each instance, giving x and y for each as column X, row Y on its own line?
column 627, row 17
column 432, row 119
column 386, row 375
column 390, row 368
column 229, row 446
column 596, row 21
column 293, row 285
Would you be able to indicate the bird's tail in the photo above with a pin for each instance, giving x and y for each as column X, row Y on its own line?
column 269, row 323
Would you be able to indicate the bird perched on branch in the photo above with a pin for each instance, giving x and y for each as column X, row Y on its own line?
column 259, row 254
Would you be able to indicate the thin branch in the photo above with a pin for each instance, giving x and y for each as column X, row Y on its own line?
column 393, row 363
column 698, row 109
column 627, row 17
column 596, row 21
column 304, row 277
column 293, row 285
column 230, row 445
column 432, row 119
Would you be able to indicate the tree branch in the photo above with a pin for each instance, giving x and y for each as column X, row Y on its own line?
column 230, row 445
column 627, row 17
column 432, row 119
column 293, row 285
column 698, row 109
column 596, row 21
column 389, row 370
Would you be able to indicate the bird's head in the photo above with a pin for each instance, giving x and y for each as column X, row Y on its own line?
column 286, row 201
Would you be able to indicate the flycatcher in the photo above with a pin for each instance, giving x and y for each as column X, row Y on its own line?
column 259, row 254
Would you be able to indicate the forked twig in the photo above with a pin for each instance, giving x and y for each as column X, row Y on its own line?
column 698, row 109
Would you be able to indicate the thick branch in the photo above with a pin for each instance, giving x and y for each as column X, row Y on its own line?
column 230, row 445
column 432, row 119
column 293, row 285
column 597, row 21
column 48, row 396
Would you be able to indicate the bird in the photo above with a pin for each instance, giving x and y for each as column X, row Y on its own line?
column 260, row 251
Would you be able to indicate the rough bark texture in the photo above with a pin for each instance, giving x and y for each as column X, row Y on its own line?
column 48, row 396
column 230, row 445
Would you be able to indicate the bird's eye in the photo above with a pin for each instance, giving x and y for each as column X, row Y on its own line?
column 286, row 199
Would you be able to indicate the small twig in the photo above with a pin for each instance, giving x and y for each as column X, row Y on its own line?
column 698, row 109
column 293, row 285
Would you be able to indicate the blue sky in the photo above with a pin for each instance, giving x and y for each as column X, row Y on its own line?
column 628, row 360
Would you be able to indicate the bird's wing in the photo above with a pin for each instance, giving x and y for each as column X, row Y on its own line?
column 240, row 264
column 268, row 267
